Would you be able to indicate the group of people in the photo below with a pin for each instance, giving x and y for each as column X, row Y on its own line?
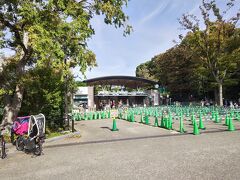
column 226, row 103
column 232, row 104
column 103, row 105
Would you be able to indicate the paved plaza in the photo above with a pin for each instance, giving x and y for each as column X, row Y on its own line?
column 136, row 151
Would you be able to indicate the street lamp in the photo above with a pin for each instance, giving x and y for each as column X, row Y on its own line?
column 65, row 116
column 67, row 53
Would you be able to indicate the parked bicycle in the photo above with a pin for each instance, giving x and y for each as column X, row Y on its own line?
column 2, row 145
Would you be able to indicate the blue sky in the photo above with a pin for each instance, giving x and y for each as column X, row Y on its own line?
column 155, row 27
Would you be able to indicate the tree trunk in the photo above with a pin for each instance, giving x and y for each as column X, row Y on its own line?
column 13, row 102
column 216, row 95
column 12, row 105
column 220, row 88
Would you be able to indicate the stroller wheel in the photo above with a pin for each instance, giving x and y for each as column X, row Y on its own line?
column 38, row 150
column 19, row 144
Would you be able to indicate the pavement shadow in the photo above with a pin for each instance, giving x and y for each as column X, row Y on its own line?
column 134, row 138
column 106, row 128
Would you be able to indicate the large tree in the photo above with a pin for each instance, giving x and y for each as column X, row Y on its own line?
column 216, row 43
column 55, row 30
column 143, row 71
column 174, row 70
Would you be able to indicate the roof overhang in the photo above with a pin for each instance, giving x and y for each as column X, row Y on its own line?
column 127, row 81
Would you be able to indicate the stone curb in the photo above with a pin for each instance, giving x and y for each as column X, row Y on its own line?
column 9, row 145
column 62, row 137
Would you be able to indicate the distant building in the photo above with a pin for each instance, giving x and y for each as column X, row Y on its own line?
column 116, row 91
column 84, row 97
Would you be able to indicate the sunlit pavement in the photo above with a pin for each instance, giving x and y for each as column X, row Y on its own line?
column 136, row 151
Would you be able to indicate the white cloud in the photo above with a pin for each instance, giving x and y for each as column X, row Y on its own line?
column 120, row 56
column 160, row 8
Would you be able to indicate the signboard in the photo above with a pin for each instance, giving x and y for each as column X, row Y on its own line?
column 82, row 91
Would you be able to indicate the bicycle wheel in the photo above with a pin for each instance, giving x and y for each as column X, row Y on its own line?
column 3, row 148
column 19, row 144
column 4, row 154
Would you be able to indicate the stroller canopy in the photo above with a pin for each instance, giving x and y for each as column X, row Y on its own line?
column 36, row 125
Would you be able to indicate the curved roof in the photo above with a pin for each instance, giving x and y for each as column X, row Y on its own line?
column 127, row 81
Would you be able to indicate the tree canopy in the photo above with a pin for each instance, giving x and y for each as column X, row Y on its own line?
column 205, row 59
column 215, row 44
column 52, row 33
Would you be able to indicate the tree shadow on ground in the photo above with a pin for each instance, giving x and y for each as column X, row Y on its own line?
column 134, row 138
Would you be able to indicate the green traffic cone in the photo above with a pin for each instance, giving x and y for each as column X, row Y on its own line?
column 95, row 116
column 192, row 119
column 213, row 114
column 146, row 119
column 125, row 116
column 231, row 125
column 162, row 123
column 170, row 122
column 120, row 115
column 181, row 129
column 142, row 119
column 85, row 117
column 167, row 123
column 76, row 117
column 195, row 128
column 79, row 117
column 216, row 118
column 128, row 117
column 114, row 126
column 104, row 115
column 201, row 126
column 238, row 116
column 231, row 114
column 132, row 118
column 156, row 122
column 91, row 116
column 226, row 120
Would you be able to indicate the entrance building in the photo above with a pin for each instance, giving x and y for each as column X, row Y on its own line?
column 117, row 91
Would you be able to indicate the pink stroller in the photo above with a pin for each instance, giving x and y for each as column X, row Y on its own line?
column 20, row 125
column 30, row 131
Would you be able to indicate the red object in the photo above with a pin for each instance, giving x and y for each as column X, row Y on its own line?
column 20, row 126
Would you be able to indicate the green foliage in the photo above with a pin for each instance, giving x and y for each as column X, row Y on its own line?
column 214, row 45
column 1, row 114
column 81, row 84
column 49, row 37
column 203, row 59
column 143, row 71
column 44, row 93
column 174, row 70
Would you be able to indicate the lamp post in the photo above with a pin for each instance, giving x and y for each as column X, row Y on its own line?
column 65, row 115
column 158, row 97
column 167, row 98
column 67, row 53
column 66, row 110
